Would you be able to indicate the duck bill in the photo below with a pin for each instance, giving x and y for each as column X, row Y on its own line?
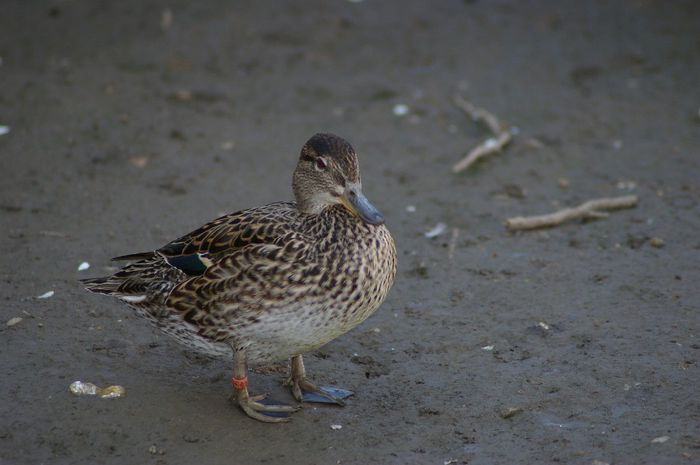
column 355, row 201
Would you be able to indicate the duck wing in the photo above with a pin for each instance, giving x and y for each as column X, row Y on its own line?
column 193, row 253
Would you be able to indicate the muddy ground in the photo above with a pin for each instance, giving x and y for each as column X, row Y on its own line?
column 130, row 126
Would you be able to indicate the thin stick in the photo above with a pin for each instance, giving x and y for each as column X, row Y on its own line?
column 502, row 135
column 590, row 209
column 453, row 244
column 479, row 114
column 487, row 147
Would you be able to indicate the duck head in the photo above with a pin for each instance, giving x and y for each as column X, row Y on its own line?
column 328, row 174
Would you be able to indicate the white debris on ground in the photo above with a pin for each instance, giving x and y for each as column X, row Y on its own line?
column 400, row 109
column 487, row 348
column 13, row 321
column 543, row 325
column 626, row 185
column 4, row 130
column 336, row 427
column 436, row 231
column 411, row 208
column 46, row 295
column 660, row 439
column 156, row 450
column 80, row 388
column 83, row 266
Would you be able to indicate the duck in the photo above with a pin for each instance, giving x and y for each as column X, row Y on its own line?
column 267, row 284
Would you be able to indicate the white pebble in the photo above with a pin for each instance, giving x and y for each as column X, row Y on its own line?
column 82, row 389
column 335, row 427
column 543, row 325
column 45, row 295
column 400, row 109
column 488, row 348
column 83, row 266
column 411, row 208
column 4, row 130
column 660, row 439
column 13, row 321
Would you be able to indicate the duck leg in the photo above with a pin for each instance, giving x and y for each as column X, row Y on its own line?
column 304, row 390
column 254, row 406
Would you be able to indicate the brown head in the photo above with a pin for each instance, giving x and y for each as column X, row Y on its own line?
column 328, row 174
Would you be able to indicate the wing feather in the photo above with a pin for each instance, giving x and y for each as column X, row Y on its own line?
column 197, row 251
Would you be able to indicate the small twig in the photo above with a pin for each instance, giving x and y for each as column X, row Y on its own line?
column 453, row 244
column 587, row 210
column 487, row 147
column 52, row 233
column 502, row 135
column 479, row 114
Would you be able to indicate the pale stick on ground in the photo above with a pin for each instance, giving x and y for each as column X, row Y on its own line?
column 453, row 243
column 587, row 210
column 502, row 134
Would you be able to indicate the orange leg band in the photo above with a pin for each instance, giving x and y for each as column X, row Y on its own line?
column 239, row 384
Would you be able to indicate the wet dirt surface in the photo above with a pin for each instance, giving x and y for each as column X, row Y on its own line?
column 129, row 128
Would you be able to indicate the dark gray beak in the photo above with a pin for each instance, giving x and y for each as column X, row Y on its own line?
column 357, row 203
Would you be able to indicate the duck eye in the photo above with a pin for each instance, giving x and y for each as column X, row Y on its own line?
column 320, row 164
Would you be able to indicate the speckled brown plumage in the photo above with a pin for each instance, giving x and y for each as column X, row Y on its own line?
column 274, row 281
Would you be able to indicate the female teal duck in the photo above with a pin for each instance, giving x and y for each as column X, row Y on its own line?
column 272, row 282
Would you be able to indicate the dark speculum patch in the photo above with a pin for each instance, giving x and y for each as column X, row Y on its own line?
column 190, row 264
